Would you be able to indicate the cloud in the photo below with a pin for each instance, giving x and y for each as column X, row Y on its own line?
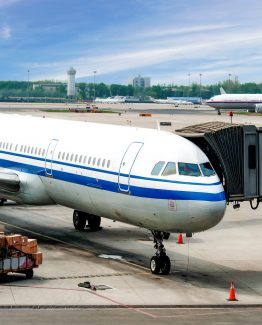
column 5, row 32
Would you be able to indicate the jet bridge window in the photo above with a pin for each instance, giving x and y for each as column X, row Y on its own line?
column 207, row 169
column 170, row 169
column 188, row 169
column 157, row 168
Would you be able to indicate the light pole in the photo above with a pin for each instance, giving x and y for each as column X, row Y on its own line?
column 200, row 82
column 94, row 72
column 28, row 72
column 229, row 77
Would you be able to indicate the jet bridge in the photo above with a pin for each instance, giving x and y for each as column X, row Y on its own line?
column 235, row 152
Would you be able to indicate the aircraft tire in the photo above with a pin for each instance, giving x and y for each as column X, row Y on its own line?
column 155, row 265
column 29, row 273
column 79, row 220
column 165, row 265
column 94, row 222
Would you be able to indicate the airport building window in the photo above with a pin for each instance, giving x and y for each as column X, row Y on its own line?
column 170, row 169
column 157, row 168
column 188, row 169
column 207, row 169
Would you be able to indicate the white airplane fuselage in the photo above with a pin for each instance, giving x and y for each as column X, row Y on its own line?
column 105, row 170
column 235, row 101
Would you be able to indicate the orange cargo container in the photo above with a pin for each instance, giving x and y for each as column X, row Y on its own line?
column 13, row 240
column 38, row 258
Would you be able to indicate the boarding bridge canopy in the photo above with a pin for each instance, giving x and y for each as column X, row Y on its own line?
column 233, row 151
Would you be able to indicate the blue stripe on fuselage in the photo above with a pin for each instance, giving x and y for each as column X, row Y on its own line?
column 113, row 186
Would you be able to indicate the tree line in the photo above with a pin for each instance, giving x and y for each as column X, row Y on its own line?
column 87, row 91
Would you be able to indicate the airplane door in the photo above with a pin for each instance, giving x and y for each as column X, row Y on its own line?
column 49, row 157
column 126, row 165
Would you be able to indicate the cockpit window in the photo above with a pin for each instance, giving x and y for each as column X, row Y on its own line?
column 207, row 169
column 188, row 169
column 170, row 169
column 157, row 168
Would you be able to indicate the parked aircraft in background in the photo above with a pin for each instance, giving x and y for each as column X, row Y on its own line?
column 250, row 102
column 144, row 177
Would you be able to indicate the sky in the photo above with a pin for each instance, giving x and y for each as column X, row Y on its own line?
column 170, row 41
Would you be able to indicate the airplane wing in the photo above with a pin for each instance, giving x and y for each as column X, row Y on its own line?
column 9, row 182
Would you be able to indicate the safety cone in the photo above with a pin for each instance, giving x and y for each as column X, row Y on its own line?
column 180, row 239
column 232, row 295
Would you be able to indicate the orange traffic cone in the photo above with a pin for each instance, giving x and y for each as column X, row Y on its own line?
column 232, row 295
column 180, row 239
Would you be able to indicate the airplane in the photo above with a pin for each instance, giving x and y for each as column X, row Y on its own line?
column 144, row 177
column 250, row 102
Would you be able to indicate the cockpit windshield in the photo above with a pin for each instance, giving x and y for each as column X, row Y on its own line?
column 207, row 169
column 188, row 169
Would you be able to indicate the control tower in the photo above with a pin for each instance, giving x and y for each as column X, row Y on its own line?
column 71, row 88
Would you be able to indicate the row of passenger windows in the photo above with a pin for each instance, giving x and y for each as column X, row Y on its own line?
column 84, row 159
column 185, row 169
column 62, row 155
column 23, row 148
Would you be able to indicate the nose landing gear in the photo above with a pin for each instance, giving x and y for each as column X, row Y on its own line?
column 160, row 263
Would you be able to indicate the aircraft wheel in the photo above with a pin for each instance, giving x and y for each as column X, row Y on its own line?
column 94, row 222
column 79, row 220
column 155, row 265
column 166, row 235
column 165, row 265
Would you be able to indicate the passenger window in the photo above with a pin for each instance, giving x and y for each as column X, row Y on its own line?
column 207, row 169
column 32, row 150
column 67, row 156
column 98, row 162
column 28, row 150
column 7, row 145
column 72, row 157
column 108, row 164
column 25, row 148
column 16, row 147
column 170, row 169
column 188, row 169
column 39, row 152
column 21, row 148
column 157, row 168
column 35, row 150
column 84, row 160
column 43, row 153
column 59, row 155
column 1, row 144
column 94, row 161
column 89, row 160
column 103, row 163
column 76, row 157
column 80, row 159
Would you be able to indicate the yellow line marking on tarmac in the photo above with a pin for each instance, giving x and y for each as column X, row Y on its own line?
column 130, row 264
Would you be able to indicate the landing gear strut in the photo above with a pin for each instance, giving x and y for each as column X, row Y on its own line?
column 160, row 263
column 81, row 218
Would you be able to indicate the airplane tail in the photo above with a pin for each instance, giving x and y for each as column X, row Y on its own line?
column 222, row 91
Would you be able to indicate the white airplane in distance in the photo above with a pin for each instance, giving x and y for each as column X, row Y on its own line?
column 144, row 177
column 250, row 102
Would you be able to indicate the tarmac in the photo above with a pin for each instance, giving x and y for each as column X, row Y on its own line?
column 115, row 259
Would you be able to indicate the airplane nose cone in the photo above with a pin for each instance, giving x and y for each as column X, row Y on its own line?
column 205, row 215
